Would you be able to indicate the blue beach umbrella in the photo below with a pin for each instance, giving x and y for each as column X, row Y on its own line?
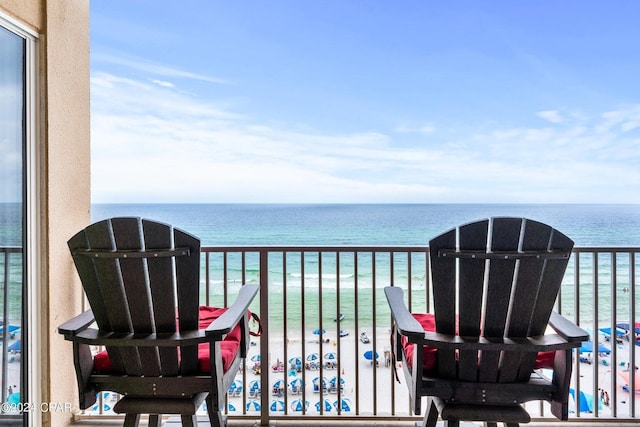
column 298, row 405
column 319, row 331
column 316, row 384
column 10, row 328
column 14, row 398
column 334, row 380
column 369, row 354
column 330, row 356
column 16, row 346
column 278, row 384
column 296, row 383
column 231, row 408
column 312, row 357
column 627, row 326
column 277, row 406
column 105, row 407
column 327, row 406
column 296, row 361
column 254, row 385
column 607, row 332
column 587, row 347
column 316, row 380
column 253, row 405
column 345, row 405
column 255, row 358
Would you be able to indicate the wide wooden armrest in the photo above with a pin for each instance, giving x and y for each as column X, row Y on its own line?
column 551, row 342
column 406, row 324
column 93, row 336
column 77, row 324
column 567, row 329
column 230, row 318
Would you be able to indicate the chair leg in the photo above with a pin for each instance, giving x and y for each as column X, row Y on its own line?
column 189, row 421
column 431, row 416
column 131, row 420
column 215, row 417
column 155, row 420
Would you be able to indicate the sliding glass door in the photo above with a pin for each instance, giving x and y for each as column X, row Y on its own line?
column 13, row 119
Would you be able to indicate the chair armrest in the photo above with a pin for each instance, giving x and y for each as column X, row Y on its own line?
column 550, row 342
column 567, row 329
column 406, row 324
column 77, row 324
column 230, row 318
column 92, row 336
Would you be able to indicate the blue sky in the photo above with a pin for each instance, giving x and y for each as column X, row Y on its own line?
column 357, row 101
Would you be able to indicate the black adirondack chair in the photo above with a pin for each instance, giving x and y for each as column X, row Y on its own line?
column 495, row 283
column 142, row 281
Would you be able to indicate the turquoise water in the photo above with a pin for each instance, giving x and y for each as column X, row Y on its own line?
column 279, row 224
column 396, row 224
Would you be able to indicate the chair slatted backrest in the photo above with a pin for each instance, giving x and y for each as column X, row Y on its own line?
column 495, row 278
column 134, row 272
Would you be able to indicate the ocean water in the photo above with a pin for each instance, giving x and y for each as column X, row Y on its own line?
column 381, row 224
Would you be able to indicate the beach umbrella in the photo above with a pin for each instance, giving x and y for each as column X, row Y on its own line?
column 345, row 404
column 278, row 384
column 11, row 328
column 316, row 384
column 319, row 331
column 16, row 346
column 298, row 405
column 231, row 408
column 14, row 398
column 277, row 406
column 627, row 327
column 369, row 354
column 232, row 387
column 254, row 385
column 334, row 380
column 626, row 376
column 587, row 347
column 105, row 407
column 296, row 361
column 253, row 405
column 327, row 406
column 312, row 357
column 607, row 332
column 296, row 383
column 581, row 404
column 316, row 380
column 255, row 358
column 330, row 356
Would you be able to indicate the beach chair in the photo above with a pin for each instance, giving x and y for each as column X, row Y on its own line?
column 494, row 284
column 164, row 354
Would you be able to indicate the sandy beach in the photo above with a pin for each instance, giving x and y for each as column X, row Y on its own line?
column 337, row 360
column 344, row 358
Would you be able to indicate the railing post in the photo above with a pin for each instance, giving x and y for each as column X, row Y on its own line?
column 264, row 340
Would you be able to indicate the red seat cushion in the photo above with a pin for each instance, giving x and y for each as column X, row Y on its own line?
column 229, row 346
column 428, row 322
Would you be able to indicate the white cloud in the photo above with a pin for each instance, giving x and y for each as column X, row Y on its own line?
column 552, row 116
column 149, row 67
column 162, row 83
column 151, row 143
